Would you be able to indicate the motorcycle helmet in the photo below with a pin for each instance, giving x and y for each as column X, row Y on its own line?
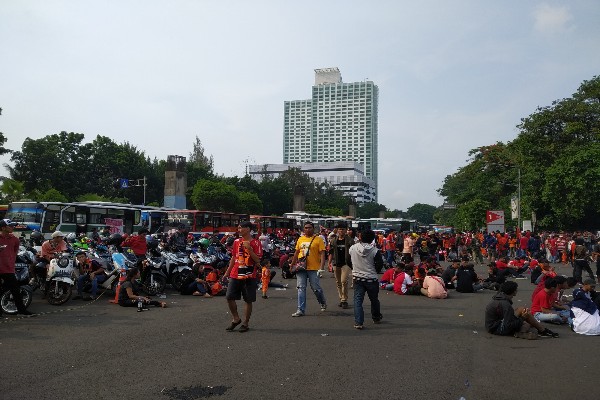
column 37, row 237
column 151, row 242
column 115, row 238
column 71, row 237
column 204, row 243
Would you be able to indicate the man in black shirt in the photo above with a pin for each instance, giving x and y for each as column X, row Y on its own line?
column 339, row 258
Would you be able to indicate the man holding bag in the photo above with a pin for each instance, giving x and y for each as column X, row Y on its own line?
column 242, row 271
column 311, row 249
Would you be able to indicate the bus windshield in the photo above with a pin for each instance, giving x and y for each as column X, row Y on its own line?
column 27, row 215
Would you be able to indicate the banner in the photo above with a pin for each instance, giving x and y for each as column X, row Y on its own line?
column 514, row 207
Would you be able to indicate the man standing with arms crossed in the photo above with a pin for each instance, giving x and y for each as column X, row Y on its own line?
column 9, row 247
column 313, row 246
column 245, row 258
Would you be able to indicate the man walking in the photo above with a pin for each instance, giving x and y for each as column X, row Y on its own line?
column 312, row 248
column 340, row 259
column 242, row 270
column 9, row 248
column 367, row 262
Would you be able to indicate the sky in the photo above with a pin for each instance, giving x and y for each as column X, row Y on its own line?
column 452, row 75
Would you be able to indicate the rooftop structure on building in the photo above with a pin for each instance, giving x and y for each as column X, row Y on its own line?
column 338, row 123
column 346, row 176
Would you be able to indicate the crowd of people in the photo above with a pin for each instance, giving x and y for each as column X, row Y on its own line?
column 412, row 264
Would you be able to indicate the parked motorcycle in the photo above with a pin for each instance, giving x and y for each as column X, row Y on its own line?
column 61, row 279
column 24, row 259
column 154, row 277
column 177, row 267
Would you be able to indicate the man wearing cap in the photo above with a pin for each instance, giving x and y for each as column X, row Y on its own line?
column 9, row 247
column 50, row 249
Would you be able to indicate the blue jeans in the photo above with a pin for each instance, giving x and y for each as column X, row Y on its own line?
column 197, row 287
column 83, row 278
column 372, row 290
column 390, row 256
column 553, row 318
column 313, row 278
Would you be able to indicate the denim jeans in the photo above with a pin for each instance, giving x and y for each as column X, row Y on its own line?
column 372, row 290
column 552, row 318
column 313, row 279
column 83, row 278
column 390, row 256
column 197, row 287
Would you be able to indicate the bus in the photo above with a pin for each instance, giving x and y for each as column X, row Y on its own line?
column 272, row 224
column 198, row 222
column 301, row 217
column 397, row 224
column 3, row 209
column 76, row 217
column 153, row 218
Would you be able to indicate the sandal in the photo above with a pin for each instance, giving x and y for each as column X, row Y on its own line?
column 163, row 304
column 244, row 328
column 196, row 293
column 232, row 326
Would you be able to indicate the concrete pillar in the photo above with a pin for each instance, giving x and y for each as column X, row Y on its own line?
column 175, row 182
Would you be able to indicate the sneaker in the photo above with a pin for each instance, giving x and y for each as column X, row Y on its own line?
column 340, row 304
column 323, row 307
column 378, row 320
column 344, row 304
column 298, row 314
column 357, row 326
column 526, row 335
column 548, row 333
column 265, row 297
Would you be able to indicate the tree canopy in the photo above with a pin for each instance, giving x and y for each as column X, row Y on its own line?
column 555, row 158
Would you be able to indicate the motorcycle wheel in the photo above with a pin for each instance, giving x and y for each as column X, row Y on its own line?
column 179, row 278
column 152, row 289
column 7, row 302
column 59, row 293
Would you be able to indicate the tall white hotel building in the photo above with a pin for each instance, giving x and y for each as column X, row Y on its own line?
column 339, row 123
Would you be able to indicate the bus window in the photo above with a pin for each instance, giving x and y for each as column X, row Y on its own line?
column 96, row 216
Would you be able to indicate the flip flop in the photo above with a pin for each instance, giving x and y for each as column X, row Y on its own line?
column 232, row 326
column 244, row 328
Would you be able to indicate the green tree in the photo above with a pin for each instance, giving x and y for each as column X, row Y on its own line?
column 370, row 210
column 52, row 195
column 249, row 203
column 422, row 213
column 12, row 190
column 3, row 140
column 214, row 195
column 199, row 165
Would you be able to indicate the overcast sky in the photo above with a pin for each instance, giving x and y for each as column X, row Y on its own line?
column 452, row 75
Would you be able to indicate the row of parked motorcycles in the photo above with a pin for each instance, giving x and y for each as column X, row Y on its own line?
column 161, row 266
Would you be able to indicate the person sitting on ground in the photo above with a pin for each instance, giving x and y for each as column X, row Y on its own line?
column 404, row 285
column 129, row 292
column 195, row 284
column 433, row 286
column 547, row 271
column 390, row 274
column 495, row 278
column 518, row 266
column 449, row 274
column 89, row 270
column 541, row 305
column 584, row 312
column 467, row 280
column 501, row 319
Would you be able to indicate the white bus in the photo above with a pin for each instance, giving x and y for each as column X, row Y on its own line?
column 76, row 217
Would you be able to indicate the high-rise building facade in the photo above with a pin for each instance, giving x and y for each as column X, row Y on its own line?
column 339, row 123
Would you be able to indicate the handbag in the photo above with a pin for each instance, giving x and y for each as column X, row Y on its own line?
column 300, row 265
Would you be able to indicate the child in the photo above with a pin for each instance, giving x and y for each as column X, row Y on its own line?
column 265, row 276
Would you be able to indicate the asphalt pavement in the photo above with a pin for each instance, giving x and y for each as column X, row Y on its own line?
column 423, row 349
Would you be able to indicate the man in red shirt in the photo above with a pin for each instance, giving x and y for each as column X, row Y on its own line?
column 245, row 257
column 541, row 306
column 9, row 247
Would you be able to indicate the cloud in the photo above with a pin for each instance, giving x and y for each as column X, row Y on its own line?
column 551, row 19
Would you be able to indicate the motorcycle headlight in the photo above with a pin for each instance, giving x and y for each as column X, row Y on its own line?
column 63, row 262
